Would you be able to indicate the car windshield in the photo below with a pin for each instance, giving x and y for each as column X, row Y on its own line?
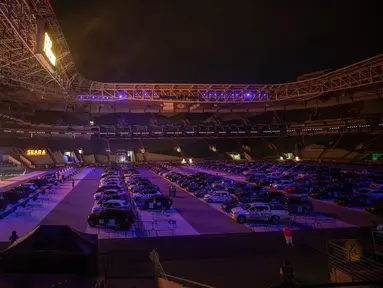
column 245, row 206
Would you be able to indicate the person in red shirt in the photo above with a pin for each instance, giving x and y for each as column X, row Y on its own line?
column 288, row 233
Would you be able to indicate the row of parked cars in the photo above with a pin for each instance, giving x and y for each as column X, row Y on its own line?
column 243, row 201
column 30, row 189
column 113, row 207
column 346, row 187
column 121, row 192
column 19, row 196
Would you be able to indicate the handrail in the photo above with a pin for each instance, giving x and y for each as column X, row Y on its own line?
column 188, row 281
column 157, row 265
column 363, row 268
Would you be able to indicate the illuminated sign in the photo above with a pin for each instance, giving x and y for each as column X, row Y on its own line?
column 48, row 49
column 45, row 47
column 36, row 152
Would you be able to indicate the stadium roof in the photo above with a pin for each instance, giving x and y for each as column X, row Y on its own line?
column 21, row 67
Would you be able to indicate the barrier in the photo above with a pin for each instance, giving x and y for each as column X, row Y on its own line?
column 309, row 221
column 347, row 256
column 377, row 237
column 167, row 279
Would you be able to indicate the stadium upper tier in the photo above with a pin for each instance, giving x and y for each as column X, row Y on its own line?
column 143, row 127
column 23, row 67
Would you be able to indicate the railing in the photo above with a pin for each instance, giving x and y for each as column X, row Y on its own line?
column 101, row 284
column 378, row 242
column 346, row 255
column 160, row 273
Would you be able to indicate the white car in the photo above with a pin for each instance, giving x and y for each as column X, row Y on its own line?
column 217, row 197
column 112, row 204
column 118, row 184
column 375, row 193
column 112, row 178
column 281, row 184
column 376, row 185
column 138, row 196
column 101, row 195
column 258, row 212
column 31, row 186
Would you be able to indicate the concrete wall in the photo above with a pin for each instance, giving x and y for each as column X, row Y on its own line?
column 88, row 159
column 58, row 157
column 101, row 158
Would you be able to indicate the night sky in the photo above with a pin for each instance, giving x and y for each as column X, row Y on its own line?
column 202, row 41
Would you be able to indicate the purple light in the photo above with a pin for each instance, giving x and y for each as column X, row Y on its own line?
column 93, row 97
column 120, row 96
column 80, row 97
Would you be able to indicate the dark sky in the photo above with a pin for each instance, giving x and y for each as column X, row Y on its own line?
column 203, row 41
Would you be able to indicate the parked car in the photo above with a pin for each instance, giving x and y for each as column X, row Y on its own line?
column 155, row 202
column 113, row 204
column 258, row 212
column 217, row 196
column 359, row 200
column 375, row 207
column 228, row 205
column 106, row 193
column 298, row 205
column 112, row 218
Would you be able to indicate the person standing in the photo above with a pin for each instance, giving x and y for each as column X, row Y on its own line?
column 170, row 190
column 73, row 183
column 288, row 233
column 13, row 237
column 287, row 272
column 174, row 191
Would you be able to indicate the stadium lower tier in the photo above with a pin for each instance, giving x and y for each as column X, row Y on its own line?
column 350, row 147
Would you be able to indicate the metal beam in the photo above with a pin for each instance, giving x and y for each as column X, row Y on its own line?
column 18, row 21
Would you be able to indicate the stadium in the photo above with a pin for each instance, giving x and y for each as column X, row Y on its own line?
column 169, row 184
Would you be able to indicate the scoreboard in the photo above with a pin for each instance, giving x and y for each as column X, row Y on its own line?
column 45, row 47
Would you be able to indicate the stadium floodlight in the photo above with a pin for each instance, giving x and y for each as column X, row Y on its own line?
column 281, row 158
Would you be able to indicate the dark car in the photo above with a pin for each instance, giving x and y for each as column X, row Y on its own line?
column 228, row 205
column 112, row 197
column 40, row 182
column 269, row 197
column 112, row 218
column 23, row 190
column 298, row 205
column 201, row 193
column 330, row 193
column 3, row 203
column 105, row 188
column 155, row 202
column 359, row 200
column 375, row 207
column 192, row 188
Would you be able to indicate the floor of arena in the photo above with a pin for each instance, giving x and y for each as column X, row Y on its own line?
column 230, row 251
